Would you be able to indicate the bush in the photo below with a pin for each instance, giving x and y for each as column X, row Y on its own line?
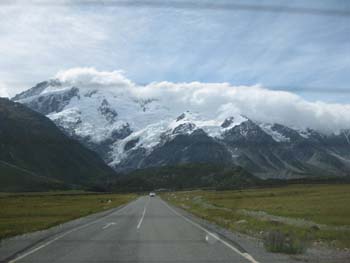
column 279, row 242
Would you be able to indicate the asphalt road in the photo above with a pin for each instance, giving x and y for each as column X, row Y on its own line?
column 145, row 230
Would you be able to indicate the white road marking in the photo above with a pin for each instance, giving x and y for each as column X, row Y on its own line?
column 243, row 254
column 108, row 225
column 62, row 235
column 143, row 215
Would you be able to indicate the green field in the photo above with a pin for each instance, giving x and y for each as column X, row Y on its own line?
column 316, row 213
column 22, row 213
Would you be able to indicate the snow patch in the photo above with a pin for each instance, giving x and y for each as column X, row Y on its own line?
column 278, row 137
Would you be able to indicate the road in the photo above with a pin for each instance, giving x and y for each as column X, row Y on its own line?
column 145, row 230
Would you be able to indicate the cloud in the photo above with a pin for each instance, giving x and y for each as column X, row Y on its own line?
column 3, row 90
column 90, row 76
column 221, row 100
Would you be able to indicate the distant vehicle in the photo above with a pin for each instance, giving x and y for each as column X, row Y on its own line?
column 152, row 194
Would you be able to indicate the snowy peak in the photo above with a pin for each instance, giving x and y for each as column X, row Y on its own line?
column 227, row 122
column 184, row 128
column 37, row 90
column 231, row 122
column 181, row 117
column 247, row 132
column 184, row 123
column 277, row 134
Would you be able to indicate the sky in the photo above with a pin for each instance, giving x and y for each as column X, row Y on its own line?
column 303, row 47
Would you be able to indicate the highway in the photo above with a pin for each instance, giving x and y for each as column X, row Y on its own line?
column 145, row 230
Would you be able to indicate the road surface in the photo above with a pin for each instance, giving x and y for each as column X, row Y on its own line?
column 145, row 230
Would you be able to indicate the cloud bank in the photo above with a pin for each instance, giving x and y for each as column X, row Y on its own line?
column 90, row 76
column 221, row 100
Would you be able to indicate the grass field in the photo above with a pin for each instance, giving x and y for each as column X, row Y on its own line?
column 316, row 213
column 22, row 213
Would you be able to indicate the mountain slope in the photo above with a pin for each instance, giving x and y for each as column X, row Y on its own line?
column 32, row 146
column 131, row 132
column 15, row 179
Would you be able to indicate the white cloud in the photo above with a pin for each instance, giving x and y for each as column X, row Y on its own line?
column 3, row 90
column 90, row 76
column 220, row 100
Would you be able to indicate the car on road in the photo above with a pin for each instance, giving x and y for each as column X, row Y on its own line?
column 152, row 194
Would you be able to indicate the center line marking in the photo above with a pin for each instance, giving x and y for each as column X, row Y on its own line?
column 143, row 215
column 108, row 225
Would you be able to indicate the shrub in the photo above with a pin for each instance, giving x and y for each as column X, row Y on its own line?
column 279, row 242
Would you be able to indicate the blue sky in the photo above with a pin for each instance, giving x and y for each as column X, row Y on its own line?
column 308, row 54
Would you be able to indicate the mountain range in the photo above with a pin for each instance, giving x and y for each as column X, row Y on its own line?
column 132, row 132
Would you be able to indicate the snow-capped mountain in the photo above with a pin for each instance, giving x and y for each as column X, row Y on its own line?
column 131, row 131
